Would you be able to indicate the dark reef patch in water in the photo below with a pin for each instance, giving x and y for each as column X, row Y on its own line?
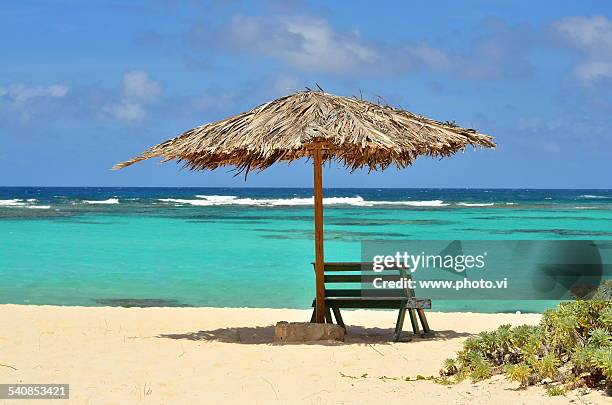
column 496, row 217
column 139, row 302
column 32, row 214
column 229, row 217
column 329, row 235
column 340, row 221
column 560, row 232
column 75, row 220
column 225, row 221
column 384, row 222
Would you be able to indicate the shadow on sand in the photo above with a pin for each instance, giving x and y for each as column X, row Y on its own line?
column 265, row 335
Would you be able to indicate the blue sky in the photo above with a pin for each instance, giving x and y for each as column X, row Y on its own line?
column 84, row 85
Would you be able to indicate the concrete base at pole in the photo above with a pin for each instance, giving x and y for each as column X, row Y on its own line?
column 307, row 332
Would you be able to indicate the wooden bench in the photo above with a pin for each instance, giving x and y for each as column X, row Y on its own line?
column 350, row 285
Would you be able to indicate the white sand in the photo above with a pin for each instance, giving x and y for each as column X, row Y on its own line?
column 225, row 356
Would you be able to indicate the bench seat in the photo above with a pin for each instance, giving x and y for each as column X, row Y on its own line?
column 377, row 302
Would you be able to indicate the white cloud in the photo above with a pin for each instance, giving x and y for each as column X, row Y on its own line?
column 312, row 44
column 429, row 56
column 138, row 86
column 21, row 94
column 125, row 111
column 137, row 91
column 307, row 43
column 592, row 36
column 593, row 70
column 590, row 33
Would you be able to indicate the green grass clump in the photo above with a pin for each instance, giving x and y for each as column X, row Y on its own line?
column 571, row 347
column 519, row 372
column 555, row 390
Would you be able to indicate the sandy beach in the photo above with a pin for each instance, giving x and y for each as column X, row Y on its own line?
column 217, row 355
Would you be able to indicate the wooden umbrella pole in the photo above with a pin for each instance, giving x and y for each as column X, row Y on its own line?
column 318, row 217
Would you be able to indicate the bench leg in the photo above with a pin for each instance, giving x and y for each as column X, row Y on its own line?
column 328, row 317
column 400, row 323
column 338, row 317
column 313, row 318
column 413, row 321
column 423, row 319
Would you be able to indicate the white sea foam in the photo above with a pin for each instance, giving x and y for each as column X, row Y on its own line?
column 109, row 201
column 213, row 200
column 510, row 203
column 586, row 208
column 15, row 202
column 593, row 196
column 217, row 197
column 426, row 203
column 464, row 204
column 233, row 200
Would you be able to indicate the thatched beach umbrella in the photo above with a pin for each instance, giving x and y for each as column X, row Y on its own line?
column 321, row 126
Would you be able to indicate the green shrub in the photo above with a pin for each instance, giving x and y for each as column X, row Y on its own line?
column 521, row 373
column 602, row 359
column 599, row 337
column 554, row 390
column 571, row 347
column 548, row 366
column 449, row 368
column 603, row 292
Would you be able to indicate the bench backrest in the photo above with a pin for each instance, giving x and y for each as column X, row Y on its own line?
column 355, row 279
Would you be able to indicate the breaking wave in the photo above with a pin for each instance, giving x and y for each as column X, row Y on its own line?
column 591, row 196
column 20, row 203
column 12, row 203
column 464, row 204
column 109, row 201
column 213, row 200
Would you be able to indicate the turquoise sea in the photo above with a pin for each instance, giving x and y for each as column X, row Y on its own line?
column 250, row 247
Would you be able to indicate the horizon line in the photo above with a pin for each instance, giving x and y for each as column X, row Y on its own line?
column 326, row 188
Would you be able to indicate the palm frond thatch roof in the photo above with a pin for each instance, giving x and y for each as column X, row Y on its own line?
column 355, row 132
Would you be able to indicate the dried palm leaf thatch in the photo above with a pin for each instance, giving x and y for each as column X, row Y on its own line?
column 353, row 131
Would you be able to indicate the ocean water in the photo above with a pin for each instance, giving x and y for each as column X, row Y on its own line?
column 250, row 247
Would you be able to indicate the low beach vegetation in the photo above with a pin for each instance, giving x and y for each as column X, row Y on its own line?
column 570, row 348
